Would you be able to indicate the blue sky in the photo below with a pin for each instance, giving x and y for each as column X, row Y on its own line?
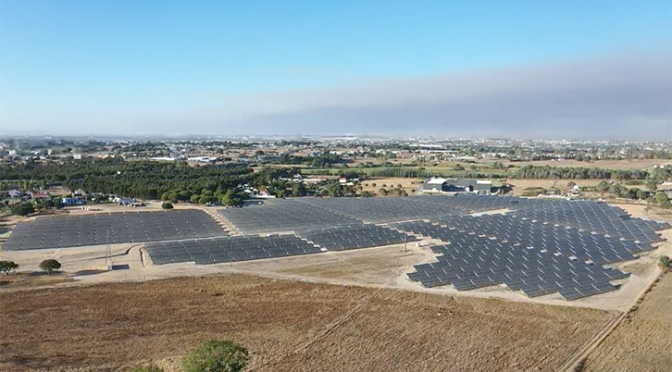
column 210, row 67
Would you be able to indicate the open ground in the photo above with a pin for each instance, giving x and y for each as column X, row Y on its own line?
column 643, row 340
column 287, row 325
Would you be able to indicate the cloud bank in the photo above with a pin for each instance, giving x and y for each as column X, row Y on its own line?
column 620, row 97
column 613, row 97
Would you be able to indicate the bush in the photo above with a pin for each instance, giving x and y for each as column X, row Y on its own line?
column 216, row 356
column 665, row 263
column 149, row 368
column 167, row 206
column 50, row 265
column 7, row 266
column 23, row 209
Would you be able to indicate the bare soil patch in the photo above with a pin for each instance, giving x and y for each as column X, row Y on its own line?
column 287, row 325
column 643, row 340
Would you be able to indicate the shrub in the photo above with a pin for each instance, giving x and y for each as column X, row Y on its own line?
column 22, row 209
column 216, row 356
column 149, row 368
column 167, row 206
column 50, row 265
column 665, row 263
column 7, row 266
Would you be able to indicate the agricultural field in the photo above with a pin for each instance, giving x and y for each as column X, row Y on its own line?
column 286, row 325
column 604, row 164
column 643, row 340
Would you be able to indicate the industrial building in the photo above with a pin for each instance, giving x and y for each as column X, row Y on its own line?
column 436, row 184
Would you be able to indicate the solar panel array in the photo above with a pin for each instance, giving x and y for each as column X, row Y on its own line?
column 111, row 228
column 486, row 262
column 340, row 238
column 228, row 249
column 535, row 257
column 281, row 216
column 595, row 217
column 378, row 210
column 587, row 246
column 538, row 247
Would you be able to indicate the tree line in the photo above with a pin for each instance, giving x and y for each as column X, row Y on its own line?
column 525, row 172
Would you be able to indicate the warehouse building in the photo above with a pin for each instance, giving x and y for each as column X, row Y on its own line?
column 435, row 184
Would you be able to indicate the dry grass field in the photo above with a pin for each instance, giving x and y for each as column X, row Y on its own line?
column 521, row 185
column 643, row 341
column 606, row 164
column 287, row 326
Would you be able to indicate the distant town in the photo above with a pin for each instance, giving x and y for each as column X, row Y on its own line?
column 42, row 173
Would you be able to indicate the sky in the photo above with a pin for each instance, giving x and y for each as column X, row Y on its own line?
column 590, row 69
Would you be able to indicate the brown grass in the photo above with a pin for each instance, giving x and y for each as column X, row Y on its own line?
column 31, row 279
column 605, row 164
column 521, row 185
column 287, row 326
column 642, row 342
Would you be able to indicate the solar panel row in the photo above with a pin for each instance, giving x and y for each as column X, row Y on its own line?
column 281, row 215
column 228, row 249
column 111, row 228
column 339, row 238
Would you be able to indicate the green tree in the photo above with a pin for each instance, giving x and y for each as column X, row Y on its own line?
column 652, row 184
column 298, row 189
column 665, row 262
column 602, row 187
column 216, row 356
column 7, row 266
column 167, row 206
column 233, row 198
column 662, row 199
column 50, row 265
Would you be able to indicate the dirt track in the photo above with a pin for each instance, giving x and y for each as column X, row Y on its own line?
column 286, row 325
